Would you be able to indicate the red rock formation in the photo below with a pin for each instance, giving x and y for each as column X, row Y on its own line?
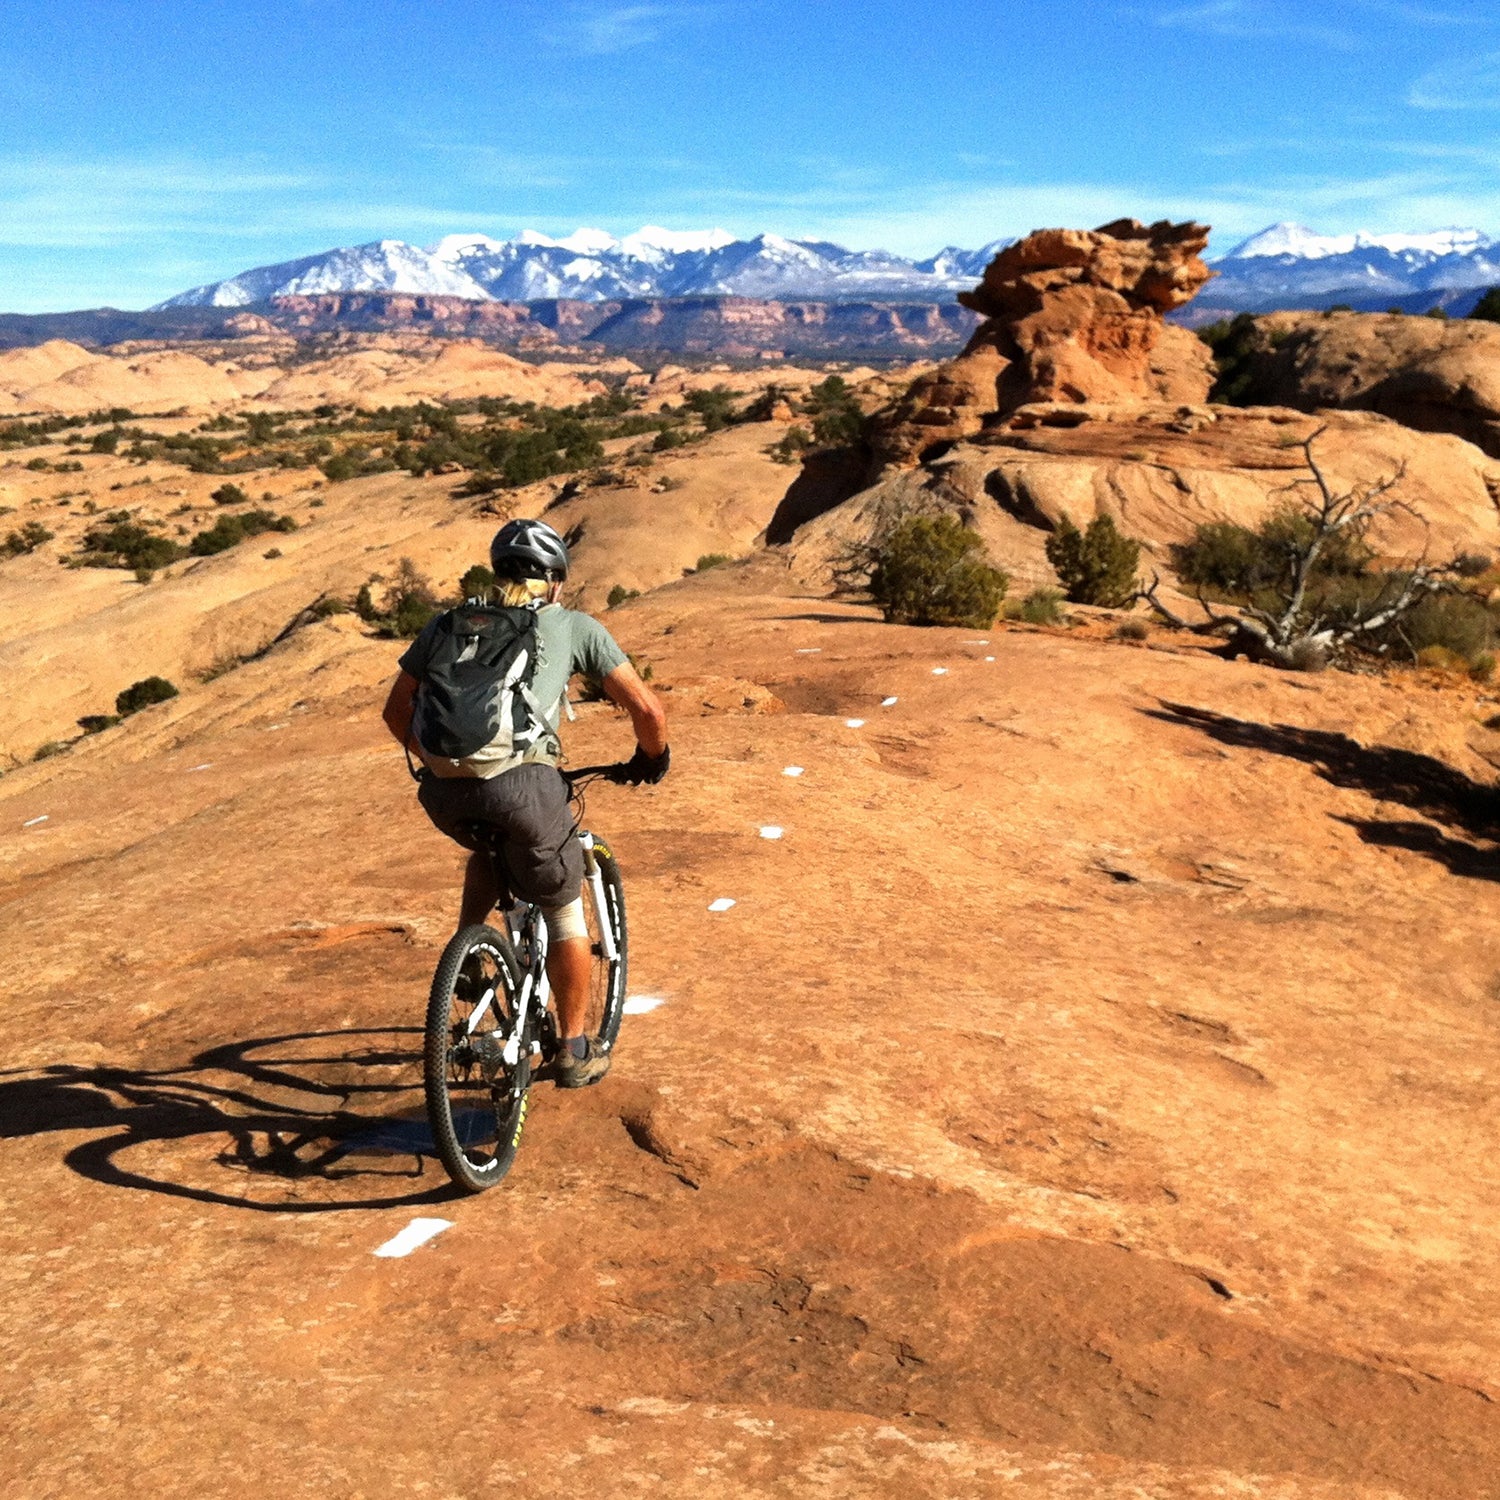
column 1071, row 315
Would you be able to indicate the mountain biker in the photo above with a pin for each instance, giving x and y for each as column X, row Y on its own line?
column 526, row 803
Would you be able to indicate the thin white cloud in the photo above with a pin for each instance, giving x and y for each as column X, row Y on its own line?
column 1239, row 20
column 1425, row 15
column 596, row 30
column 1464, row 83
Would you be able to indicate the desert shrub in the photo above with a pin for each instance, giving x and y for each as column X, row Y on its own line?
column 711, row 560
column 27, row 539
column 1239, row 563
column 930, row 570
column 1487, row 309
column 669, row 437
column 1472, row 564
column 1235, row 344
column 127, row 544
column 98, row 723
column 795, row 441
column 411, row 601
column 1453, row 622
column 1437, row 311
column 143, row 694
column 1096, row 566
column 1042, row 607
column 230, row 531
column 619, row 594
column 229, row 494
column 1482, row 668
column 271, row 553
column 1441, row 659
column 476, row 582
column 107, row 441
column 839, row 427
column 51, row 748
column 715, row 407
column 328, row 605
column 837, row 420
column 339, row 467
column 1132, row 630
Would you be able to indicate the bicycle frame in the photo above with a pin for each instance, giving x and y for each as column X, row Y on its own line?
column 536, row 988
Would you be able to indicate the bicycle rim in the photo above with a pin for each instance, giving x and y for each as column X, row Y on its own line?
column 476, row 1100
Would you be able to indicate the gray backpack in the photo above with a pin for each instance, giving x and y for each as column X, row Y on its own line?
column 474, row 706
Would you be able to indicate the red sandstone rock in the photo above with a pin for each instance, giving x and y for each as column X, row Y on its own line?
column 1071, row 315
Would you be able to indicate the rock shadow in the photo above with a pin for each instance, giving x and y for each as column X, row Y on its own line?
column 289, row 1108
column 1467, row 810
column 828, row 477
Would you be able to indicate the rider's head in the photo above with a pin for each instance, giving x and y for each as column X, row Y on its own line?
column 529, row 560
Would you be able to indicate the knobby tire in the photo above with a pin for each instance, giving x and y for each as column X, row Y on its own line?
column 476, row 1106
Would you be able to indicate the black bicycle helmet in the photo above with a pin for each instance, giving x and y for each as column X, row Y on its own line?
column 529, row 549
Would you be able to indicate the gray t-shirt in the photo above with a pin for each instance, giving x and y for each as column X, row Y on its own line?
column 568, row 641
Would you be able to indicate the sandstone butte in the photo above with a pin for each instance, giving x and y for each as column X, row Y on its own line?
column 1091, row 1095
column 1070, row 315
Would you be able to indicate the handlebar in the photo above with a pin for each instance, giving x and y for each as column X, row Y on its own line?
column 614, row 772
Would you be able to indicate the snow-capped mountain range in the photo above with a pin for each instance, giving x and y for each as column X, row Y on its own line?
column 593, row 266
column 1289, row 265
column 1286, row 265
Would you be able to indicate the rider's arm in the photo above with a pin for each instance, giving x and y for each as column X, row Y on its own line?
column 647, row 717
column 398, row 706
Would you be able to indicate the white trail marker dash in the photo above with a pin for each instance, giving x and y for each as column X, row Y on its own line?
column 416, row 1234
column 771, row 831
column 889, row 702
column 642, row 1005
column 32, row 822
column 723, row 903
column 792, row 771
column 940, row 671
column 854, row 723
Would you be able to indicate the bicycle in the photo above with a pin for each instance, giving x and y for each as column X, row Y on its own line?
column 489, row 1018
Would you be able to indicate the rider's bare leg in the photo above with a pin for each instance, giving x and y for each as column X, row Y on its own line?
column 569, row 963
column 481, row 891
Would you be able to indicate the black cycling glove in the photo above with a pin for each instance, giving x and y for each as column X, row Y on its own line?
column 648, row 768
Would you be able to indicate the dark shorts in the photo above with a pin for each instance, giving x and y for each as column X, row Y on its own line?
column 527, row 808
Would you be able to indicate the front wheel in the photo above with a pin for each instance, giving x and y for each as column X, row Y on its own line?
column 604, row 907
column 477, row 1068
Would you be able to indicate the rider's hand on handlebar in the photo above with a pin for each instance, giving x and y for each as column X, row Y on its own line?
column 648, row 768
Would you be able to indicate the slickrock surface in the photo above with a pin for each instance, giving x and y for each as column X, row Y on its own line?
column 1092, row 1094
column 64, row 377
column 1161, row 470
column 1071, row 315
column 639, row 529
column 1435, row 374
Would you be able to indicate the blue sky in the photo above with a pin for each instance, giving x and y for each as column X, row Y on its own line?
column 148, row 146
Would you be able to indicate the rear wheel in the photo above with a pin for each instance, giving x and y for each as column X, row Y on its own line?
column 607, row 977
column 476, row 1068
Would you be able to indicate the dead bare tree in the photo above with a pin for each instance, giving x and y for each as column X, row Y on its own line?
column 1298, row 634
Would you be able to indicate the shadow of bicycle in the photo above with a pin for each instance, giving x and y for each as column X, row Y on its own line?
column 307, row 1122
